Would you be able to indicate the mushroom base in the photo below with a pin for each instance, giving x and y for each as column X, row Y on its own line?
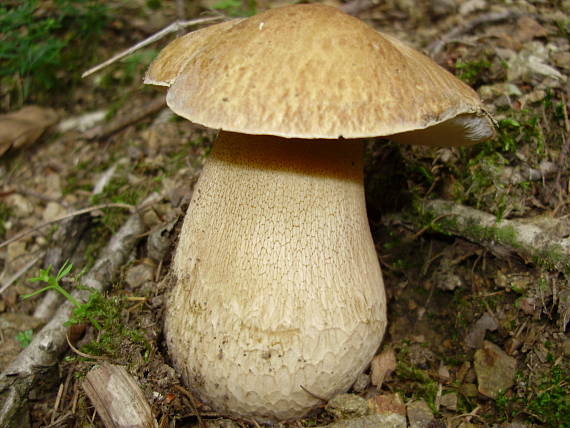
column 279, row 299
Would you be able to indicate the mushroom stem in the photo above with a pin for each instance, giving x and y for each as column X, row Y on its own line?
column 278, row 287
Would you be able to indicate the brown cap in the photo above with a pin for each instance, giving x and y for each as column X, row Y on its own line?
column 311, row 71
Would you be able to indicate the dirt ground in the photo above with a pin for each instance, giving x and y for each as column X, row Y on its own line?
column 478, row 317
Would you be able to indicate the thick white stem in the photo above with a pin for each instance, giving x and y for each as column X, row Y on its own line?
column 279, row 290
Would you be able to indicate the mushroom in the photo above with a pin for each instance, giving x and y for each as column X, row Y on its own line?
column 279, row 300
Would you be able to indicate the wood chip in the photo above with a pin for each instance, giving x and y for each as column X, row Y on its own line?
column 117, row 398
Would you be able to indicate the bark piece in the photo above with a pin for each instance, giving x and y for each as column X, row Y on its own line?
column 117, row 398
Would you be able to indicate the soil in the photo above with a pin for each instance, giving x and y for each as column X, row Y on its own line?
column 477, row 330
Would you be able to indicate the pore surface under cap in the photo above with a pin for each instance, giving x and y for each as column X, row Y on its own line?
column 309, row 71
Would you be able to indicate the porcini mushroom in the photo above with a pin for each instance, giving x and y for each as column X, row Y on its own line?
column 279, row 299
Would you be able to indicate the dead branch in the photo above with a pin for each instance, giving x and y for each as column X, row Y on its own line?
column 172, row 28
column 122, row 121
column 19, row 274
column 435, row 47
column 65, row 217
column 21, row 375
column 535, row 241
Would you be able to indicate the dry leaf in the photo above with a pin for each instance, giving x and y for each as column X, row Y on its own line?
column 24, row 127
column 382, row 366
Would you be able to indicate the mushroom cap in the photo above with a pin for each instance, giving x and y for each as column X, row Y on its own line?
column 312, row 71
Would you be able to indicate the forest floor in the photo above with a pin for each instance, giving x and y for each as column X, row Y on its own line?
column 478, row 318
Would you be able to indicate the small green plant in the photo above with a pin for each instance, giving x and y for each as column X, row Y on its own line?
column 24, row 338
column 471, row 71
column 237, row 7
column 103, row 313
column 548, row 402
column 41, row 42
column 53, row 283
column 117, row 191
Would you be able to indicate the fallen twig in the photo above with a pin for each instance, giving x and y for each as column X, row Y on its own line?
column 64, row 217
column 17, row 380
column 435, row 47
column 533, row 242
column 172, row 28
column 21, row 272
column 122, row 121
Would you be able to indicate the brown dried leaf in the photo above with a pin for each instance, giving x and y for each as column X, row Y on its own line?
column 382, row 366
column 24, row 127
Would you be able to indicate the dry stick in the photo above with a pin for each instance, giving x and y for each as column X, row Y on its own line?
column 21, row 272
column 64, row 217
column 532, row 242
column 172, row 28
column 435, row 47
column 23, row 373
column 122, row 121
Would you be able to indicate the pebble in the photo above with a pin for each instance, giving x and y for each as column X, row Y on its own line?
column 345, row 406
column 419, row 414
column 371, row 421
column 495, row 370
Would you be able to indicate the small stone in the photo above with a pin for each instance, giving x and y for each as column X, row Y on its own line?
column 382, row 367
column 15, row 250
column 371, row 421
column 419, row 414
column 515, row 425
column 562, row 59
column 533, row 97
column 361, row 383
column 476, row 336
column 221, row 423
column 52, row 211
column 420, row 356
column 449, row 401
column 441, row 8
column 387, row 404
column 469, row 390
column 491, row 92
column 566, row 347
column 390, row 408
column 471, row 6
column 527, row 304
column 345, row 406
column 21, row 206
column 528, row 29
column 443, row 373
column 159, row 241
column 52, row 183
column 495, row 370
column 138, row 275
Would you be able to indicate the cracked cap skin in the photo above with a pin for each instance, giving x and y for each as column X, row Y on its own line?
column 312, row 71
